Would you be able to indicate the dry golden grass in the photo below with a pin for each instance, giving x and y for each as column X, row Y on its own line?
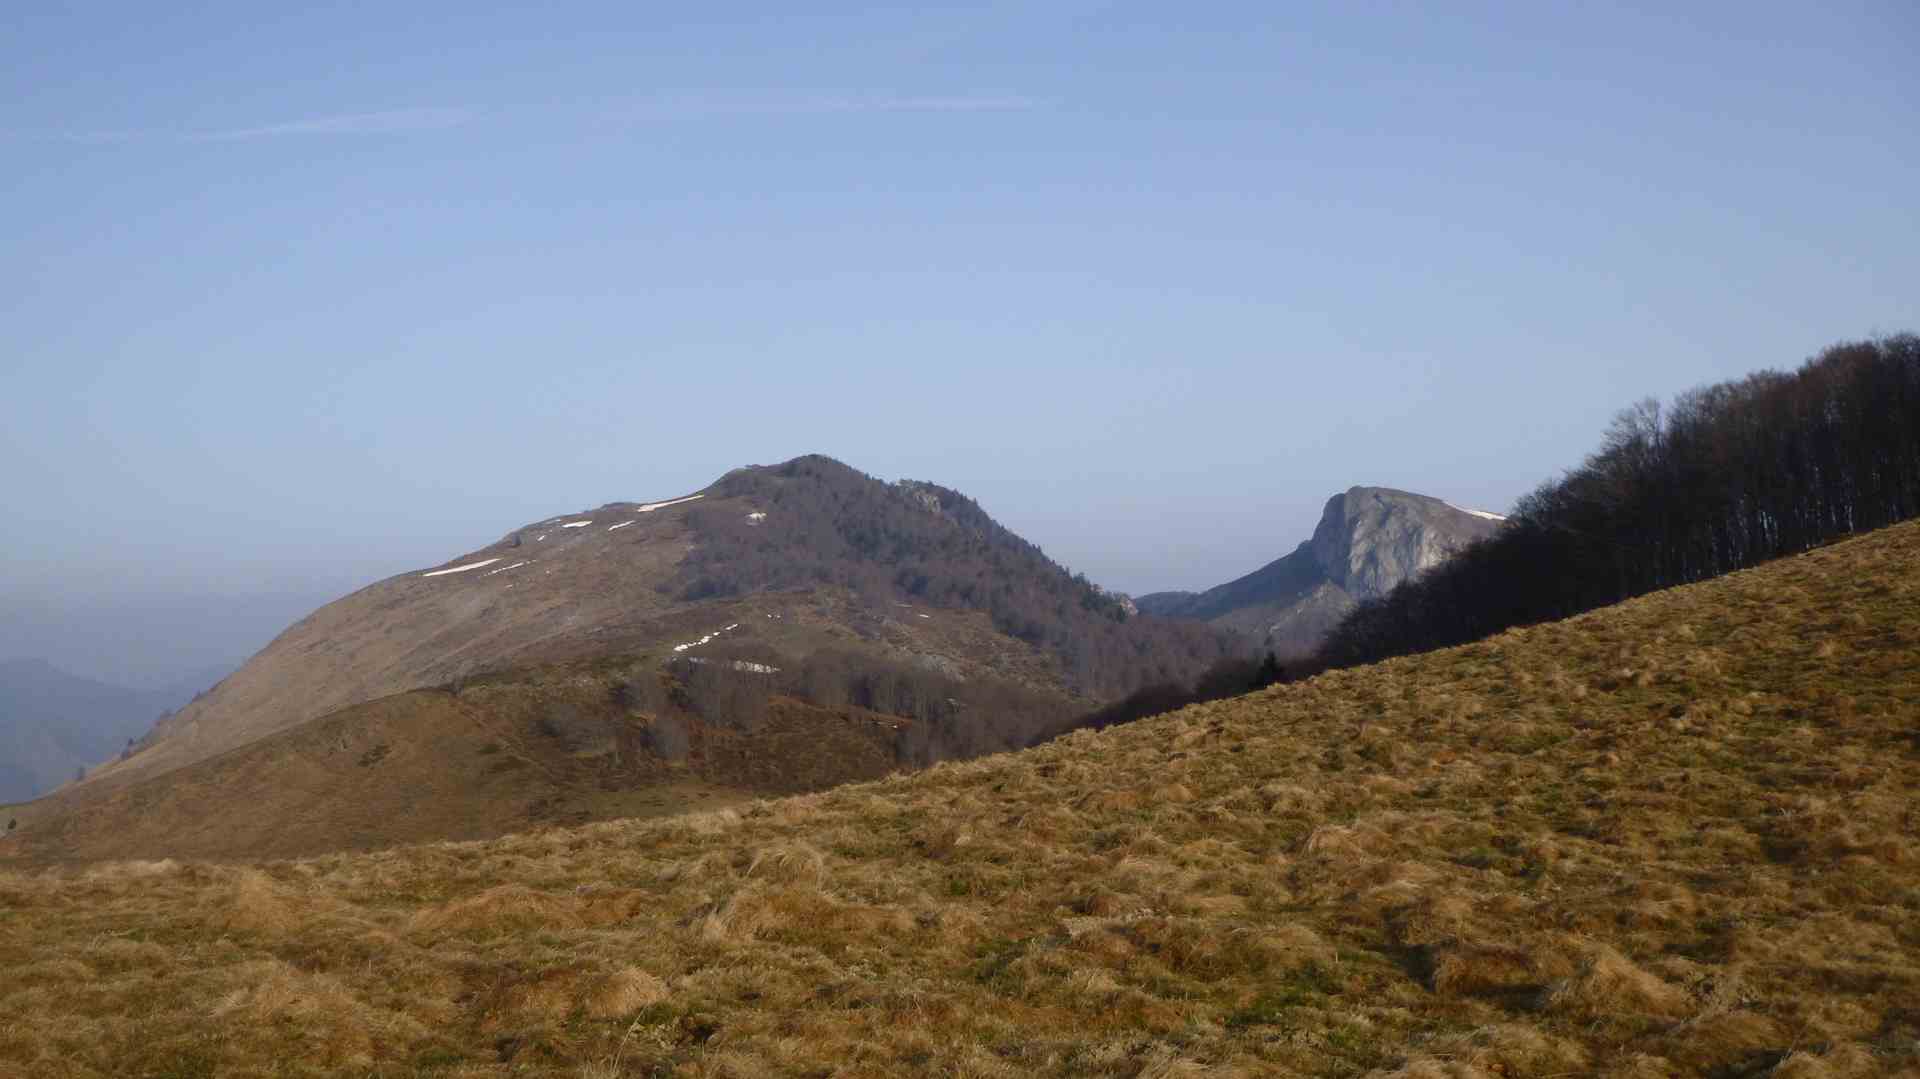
column 434, row 765
column 1676, row 837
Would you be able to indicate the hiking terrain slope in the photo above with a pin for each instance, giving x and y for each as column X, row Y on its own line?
column 1671, row 837
column 523, row 750
column 803, row 554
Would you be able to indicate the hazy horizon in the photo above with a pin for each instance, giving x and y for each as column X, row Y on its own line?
column 300, row 301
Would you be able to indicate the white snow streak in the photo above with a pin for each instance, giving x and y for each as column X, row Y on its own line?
column 1482, row 514
column 704, row 640
column 741, row 665
column 504, row 569
column 649, row 507
column 461, row 569
column 576, row 524
column 621, row 525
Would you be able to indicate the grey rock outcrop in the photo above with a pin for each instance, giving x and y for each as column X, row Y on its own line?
column 1369, row 540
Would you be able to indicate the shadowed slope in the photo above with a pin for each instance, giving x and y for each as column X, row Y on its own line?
column 540, row 749
column 1673, row 837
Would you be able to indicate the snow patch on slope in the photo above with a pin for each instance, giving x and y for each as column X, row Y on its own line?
column 649, row 507
column 1482, row 514
column 461, row 569
column 743, row 665
column 704, row 640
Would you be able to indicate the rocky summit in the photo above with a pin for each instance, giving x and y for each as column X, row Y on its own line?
column 1372, row 538
column 1369, row 540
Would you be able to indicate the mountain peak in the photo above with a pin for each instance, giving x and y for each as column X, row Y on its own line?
column 799, row 556
column 1370, row 539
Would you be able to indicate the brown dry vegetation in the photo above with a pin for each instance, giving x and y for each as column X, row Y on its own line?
column 803, row 555
column 1674, row 837
column 533, row 748
column 511, row 749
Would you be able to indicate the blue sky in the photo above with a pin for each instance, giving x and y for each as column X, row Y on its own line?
column 293, row 302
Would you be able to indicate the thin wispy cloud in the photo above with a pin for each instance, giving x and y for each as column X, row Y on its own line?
column 720, row 102
column 388, row 122
column 415, row 121
column 833, row 104
column 385, row 122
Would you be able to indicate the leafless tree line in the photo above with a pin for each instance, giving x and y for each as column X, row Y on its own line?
column 1728, row 476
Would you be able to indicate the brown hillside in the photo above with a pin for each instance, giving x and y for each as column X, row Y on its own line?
column 774, row 707
column 613, row 737
column 805, row 554
column 413, row 630
column 296, row 791
column 1674, row 837
column 541, row 748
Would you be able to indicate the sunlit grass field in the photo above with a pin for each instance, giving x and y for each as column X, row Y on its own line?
column 1675, row 837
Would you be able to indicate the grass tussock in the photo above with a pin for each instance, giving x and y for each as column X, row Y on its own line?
column 1670, row 838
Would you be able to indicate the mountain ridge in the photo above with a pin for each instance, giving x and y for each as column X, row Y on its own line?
column 1367, row 541
column 813, row 550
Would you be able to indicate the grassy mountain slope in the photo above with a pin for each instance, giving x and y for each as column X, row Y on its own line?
column 617, row 736
column 1672, row 837
column 412, row 630
column 537, row 748
column 810, row 543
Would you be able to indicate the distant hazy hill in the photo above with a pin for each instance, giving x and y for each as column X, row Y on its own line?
column 791, row 558
column 53, row 723
column 1369, row 539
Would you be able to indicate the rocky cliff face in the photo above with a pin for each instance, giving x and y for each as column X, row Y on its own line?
column 1372, row 538
column 1369, row 540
